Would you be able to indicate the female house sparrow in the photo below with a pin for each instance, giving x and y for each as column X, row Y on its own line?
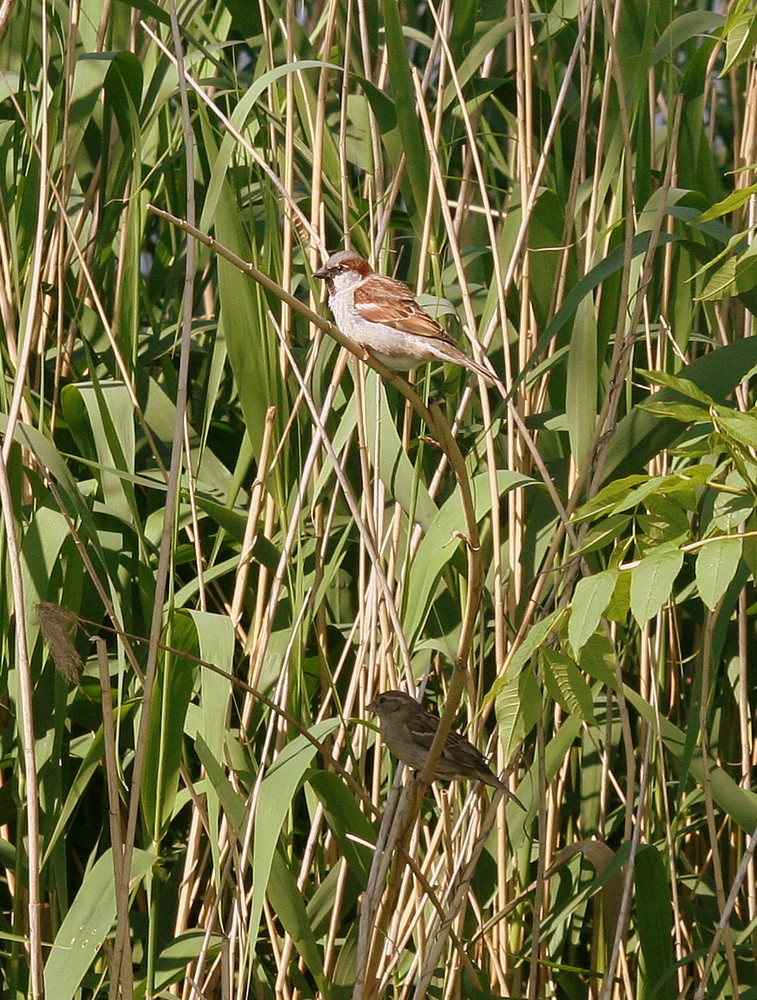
column 381, row 315
column 408, row 730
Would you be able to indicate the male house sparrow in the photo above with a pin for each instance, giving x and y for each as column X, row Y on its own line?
column 408, row 730
column 380, row 314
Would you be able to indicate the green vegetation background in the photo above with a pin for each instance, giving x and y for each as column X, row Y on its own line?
column 261, row 535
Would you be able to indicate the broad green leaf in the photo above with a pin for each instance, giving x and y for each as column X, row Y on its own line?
column 243, row 318
column 89, row 77
column 87, row 923
column 641, row 435
column 683, row 385
column 41, row 547
column 609, row 497
column 654, row 908
column 276, row 794
column 667, row 519
column 401, row 479
column 347, row 821
column 381, row 105
column 243, row 110
column 682, row 28
column 215, row 643
column 441, row 541
column 581, row 390
column 171, row 964
column 652, row 488
column 333, row 891
column 605, row 532
column 620, row 602
column 732, row 203
column 537, row 635
column 685, row 412
column 740, row 34
column 232, row 802
column 215, row 640
column 174, row 686
column 746, row 270
column 716, row 566
column 287, row 903
column 91, row 750
column 105, row 410
column 733, row 505
column 149, row 8
column 652, row 582
column 722, row 283
column 45, row 451
column 508, row 707
column 566, row 684
column 742, row 427
column 590, row 598
column 481, row 48
column 407, row 119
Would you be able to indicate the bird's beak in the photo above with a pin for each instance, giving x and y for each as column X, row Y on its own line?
column 322, row 273
column 372, row 707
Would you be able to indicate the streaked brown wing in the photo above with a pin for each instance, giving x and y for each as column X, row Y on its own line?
column 457, row 749
column 463, row 751
column 423, row 729
column 386, row 300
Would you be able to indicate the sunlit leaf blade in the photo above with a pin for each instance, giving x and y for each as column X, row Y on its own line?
column 88, row 921
column 716, row 565
column 652, row 582
column 591, row 597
